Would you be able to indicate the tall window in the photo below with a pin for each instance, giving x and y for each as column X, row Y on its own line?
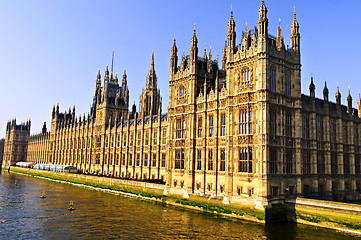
column 164, row 137
column 273, row 123
column 154, row 160
column 334, row 165
column 155, row 137
column 200, row 127
column 97, row 159
column 199, row 160
column 210, row 124
column 320, row 162
column 146, row 138
column 145, row 162
column 182, row 91
column 210, row 160
column 124, row 140
column 250, row 131
column 288, row 84
column 273, row 161
column 320, row 132
column 246, row 121
column 288, row 125
column 131, row 140
column 223, row 160
column 245, row 76
column 163, row 159
column 273, row 79
column 138, row 159
column 245, row 160
column 357, row 164
column 180, row 128
column 179, row 159
column 346, row 163
column 139, row 140
column 307, row 162
column 223, row 124
column 306, row 129
column 289, row 162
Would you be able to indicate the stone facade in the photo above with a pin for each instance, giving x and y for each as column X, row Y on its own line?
column 243, row 132
column 2, row 143
column 16, row 143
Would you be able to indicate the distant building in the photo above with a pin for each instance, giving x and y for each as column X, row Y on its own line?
column 244, row 131
column 16, row 143
column 2, row 142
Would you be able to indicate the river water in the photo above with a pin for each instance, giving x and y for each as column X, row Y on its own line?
column 99, row 215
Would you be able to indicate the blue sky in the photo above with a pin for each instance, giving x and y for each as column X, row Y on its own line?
column 50, row 51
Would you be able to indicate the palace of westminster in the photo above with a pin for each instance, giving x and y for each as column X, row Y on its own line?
column 243, row 131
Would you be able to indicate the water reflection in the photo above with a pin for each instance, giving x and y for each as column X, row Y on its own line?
column 24, row 215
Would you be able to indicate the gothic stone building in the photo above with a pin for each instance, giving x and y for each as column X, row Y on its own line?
column 244, row 131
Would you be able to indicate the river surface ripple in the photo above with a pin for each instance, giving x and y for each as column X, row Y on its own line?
column 99, row 215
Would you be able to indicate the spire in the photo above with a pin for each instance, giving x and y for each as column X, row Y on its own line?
column 210, row 53
column 152, row 78
column 98, row 76
column 193, row 52
column 224, row 57
column 279, row 36
column 106, row 74
column 312, row 88
column 204, row 58
column 174, row 58
column 359, row 105
column 325, row 92
column 124, row 80
column 349, row 101
column 338, row 96
column 231, row 33
column 194, row 40
column 295, row 35
column 262, row 20
column 183, row 64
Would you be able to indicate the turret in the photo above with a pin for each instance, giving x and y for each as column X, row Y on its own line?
column 349, row 102
column 359, row 105
column 151, row 78
column 183, row 64
column 325, row 93
column 124, row 80
column 204, row 58
column 279, row 42
column 106, row 75
column 44, row 130
column 174, row 58
column 262, row 22
column 231, row 34
column 338, row 96
column 295, row 35
column 312, row 88
column 209, row 66
column 224, row 57
column 193, row 52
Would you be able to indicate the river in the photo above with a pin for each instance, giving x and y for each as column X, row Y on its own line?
column 99, row 215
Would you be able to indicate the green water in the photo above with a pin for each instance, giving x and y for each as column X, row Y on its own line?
column 99, row 215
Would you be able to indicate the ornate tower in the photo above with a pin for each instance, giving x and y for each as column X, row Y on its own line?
column 111, row 101
column 150, row 98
